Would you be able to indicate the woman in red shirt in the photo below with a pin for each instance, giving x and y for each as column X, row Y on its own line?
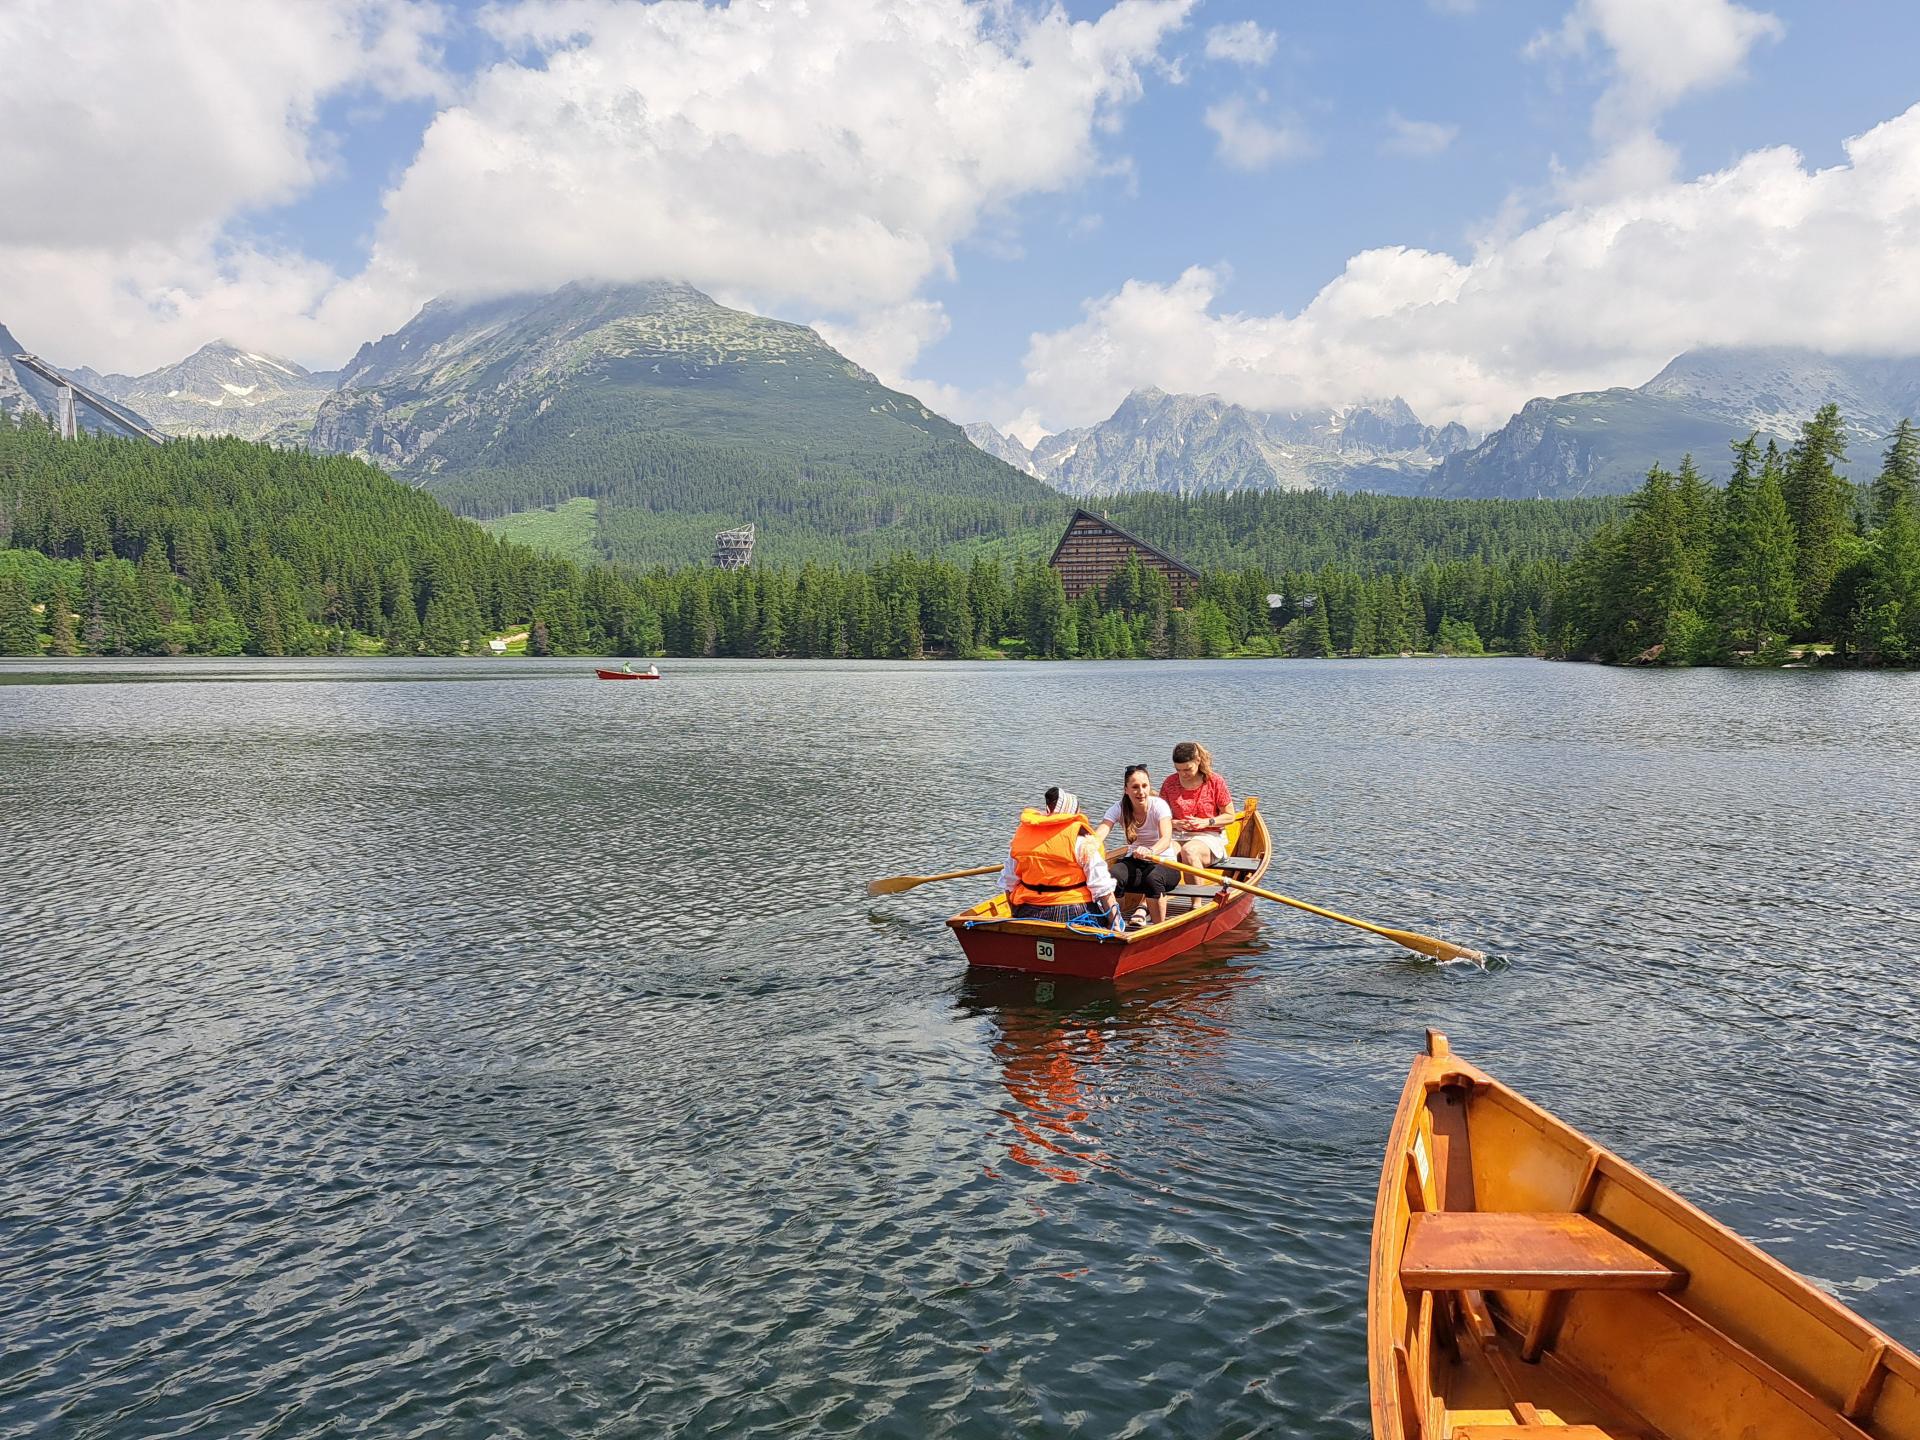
column 1199, row 799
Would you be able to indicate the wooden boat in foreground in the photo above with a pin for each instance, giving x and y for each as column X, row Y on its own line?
column 1528, row 1285
column 992, row 938
column 628, row 674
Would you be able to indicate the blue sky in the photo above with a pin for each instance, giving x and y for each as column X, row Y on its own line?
column 1016, row 211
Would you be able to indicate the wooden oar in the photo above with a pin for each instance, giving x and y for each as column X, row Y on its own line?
column 1412, row 939
column 894, row 884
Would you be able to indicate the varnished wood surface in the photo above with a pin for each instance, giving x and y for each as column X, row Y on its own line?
column 1481, row 1251
column 1527, row 1283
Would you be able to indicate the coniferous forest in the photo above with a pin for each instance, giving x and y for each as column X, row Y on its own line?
column 220, row 547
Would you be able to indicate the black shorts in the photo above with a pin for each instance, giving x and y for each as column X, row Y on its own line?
column 1135, row 876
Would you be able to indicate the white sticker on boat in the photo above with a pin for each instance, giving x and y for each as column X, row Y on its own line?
column 1420, row 1161
column 1043, row 950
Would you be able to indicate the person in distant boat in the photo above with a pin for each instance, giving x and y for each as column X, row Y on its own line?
column 1056, row 868
column 1200, row 801
column 1146, row 824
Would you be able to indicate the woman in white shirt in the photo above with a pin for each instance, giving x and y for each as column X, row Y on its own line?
column 1146, row 823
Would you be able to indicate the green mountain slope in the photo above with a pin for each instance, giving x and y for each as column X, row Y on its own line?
column 680, row 417
column 217, row 545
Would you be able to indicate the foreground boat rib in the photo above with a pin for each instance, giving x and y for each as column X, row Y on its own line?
column 1528, row 1285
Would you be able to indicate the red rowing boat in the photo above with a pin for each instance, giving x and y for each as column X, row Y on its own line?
column 993, row 939
column 628, row 674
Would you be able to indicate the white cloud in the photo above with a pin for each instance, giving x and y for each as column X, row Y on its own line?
column 1767, row 252
column 1417, row 137
column 888, row 341
column 1660, row 53
column 1244, row 43
column 829, row 155
column 132, row 135
column 1246, row 141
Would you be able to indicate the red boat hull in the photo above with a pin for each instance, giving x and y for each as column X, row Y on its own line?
column 1038, row 947
column 991, row 939
column 623, row 675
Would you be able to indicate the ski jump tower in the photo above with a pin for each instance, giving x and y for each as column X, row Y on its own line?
column 733, row 549
column 69, row 394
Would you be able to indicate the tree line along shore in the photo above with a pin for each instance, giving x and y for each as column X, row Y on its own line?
column 219, row 547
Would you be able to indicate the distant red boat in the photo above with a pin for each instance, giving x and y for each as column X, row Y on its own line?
column 628, row 674
column 993, row 939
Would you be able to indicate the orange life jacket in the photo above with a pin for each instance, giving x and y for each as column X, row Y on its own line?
column 1044, row 862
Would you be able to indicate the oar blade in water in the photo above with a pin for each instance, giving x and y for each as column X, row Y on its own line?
column 1435, row 948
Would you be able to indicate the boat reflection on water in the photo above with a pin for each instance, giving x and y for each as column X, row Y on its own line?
column 1070, row 1049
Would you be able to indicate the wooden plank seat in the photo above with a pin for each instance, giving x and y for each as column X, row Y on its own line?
column 1486, row 1250
column 1238, row 865
column 1539, row 1432
column 1195, row 891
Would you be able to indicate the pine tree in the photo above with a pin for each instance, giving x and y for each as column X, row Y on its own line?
column 1527, row 641
column 1754, row 583
column 1820, row 504
column 1885, row 624
column 19, row 627
column 1311, row 636
column 59, row 619
column 1899, row 474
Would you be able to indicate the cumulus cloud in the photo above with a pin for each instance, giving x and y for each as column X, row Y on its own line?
column 1766, row 252
column 1245, row 43
column 131, row 136
column 830, row 155
column 1417, row 137
column 1659, row 54
column 1247, row 141
column 827, row 155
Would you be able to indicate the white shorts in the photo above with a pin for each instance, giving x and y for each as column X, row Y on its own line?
column 1215, row 841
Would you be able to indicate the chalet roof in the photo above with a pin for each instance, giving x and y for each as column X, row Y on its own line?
column 1128, row 536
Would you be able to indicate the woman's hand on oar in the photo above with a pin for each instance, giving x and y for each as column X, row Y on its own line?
column 1412, row 939
column 894, row 884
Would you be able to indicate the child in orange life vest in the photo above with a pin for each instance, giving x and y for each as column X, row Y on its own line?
column 1055, row 869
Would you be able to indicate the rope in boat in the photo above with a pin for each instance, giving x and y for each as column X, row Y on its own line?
column 1092, row 924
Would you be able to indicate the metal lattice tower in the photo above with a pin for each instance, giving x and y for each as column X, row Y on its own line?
column 733, row 549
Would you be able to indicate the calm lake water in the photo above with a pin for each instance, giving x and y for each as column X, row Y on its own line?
column 471, row 1048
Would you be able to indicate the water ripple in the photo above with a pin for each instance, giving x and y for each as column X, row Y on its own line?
column 380, row 1054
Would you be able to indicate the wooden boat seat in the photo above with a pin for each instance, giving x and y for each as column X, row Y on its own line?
column 1539, row 1432
column 1486, row 1250
column 1195, row 891
column 1237, row 865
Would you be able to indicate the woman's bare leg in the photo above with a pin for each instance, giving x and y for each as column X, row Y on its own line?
column 1197, row 852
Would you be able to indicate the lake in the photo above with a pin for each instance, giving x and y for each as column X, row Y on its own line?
column 473, row 1048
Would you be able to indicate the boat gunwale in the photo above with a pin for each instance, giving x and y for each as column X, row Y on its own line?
column 1431, row 1072
column 1059, row 930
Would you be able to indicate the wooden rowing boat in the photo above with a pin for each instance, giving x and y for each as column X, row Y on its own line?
column 627, row 675
column 1528, row 1285
column 992, row 938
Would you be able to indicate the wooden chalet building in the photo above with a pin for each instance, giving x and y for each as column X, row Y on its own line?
column 1094, row 549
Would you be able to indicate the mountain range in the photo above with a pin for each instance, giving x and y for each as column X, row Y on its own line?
column 1190, row 444
column 1602, row 442
column 671, row 417
column 222, row 389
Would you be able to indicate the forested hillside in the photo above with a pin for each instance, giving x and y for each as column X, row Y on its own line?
column 1790, row 552
column 1371, row 534
column 662, row 498
column 218, row 546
